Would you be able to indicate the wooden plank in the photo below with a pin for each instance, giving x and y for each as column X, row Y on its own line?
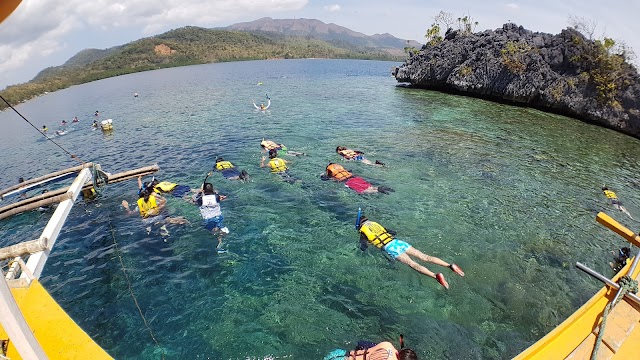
column 45, row 177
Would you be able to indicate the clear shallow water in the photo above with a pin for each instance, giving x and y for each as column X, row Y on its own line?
column 510, row 194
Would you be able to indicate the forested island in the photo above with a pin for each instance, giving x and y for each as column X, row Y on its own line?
column 195, row 45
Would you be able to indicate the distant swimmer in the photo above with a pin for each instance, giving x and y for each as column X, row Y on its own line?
column 356, row 155
column 95, row 123
column 615, row 201
column 75, row 119
column 44, row 128
column 64, row 122
column 135, row 94
column 60, row 132
column 97, row 113
column 262, row 106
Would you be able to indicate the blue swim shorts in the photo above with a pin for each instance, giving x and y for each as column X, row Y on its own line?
column 396, row 248
column 215, row 222
column 359, row 157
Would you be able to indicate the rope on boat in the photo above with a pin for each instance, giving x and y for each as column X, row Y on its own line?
column 133, row 296
column 627, row 284
column 75, row 157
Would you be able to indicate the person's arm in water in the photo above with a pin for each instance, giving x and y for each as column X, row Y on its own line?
column 364, row 243
column 125, row 205
column 255, row 106
column 268, row 103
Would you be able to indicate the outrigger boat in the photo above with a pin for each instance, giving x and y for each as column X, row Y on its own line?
column 576, row 338
column 32, row 324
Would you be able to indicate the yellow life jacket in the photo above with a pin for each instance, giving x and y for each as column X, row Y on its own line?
column 376, row 234
column 338, row 172
column 268, row 144
column 348, row 153
column 164, row 186
column 223, row 165
column 610, row 194
column 382, row 351
column 45, row 129
column 146, row 207
column 277, row 165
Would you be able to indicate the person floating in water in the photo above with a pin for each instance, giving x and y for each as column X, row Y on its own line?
column 623, row 257
column 349, row 154
column 382, row 351
column 64, row 122
column 75, row 119
column 163, row 187
column 45, row 128
column 615, row 201
column 97, row 114
column 268, row 145
column 229, row 171
column 95, row 123
column 150, row 206
column 361, row 186
column 262, row 106
column 209, row 202
column 373, row 233
column 278, row 166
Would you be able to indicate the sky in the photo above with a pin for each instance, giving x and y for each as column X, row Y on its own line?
column 44, row 33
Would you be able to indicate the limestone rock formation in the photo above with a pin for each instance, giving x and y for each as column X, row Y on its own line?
column 564, row 73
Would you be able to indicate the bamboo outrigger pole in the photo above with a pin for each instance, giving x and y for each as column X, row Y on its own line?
column 44, row 177
column 57, row 196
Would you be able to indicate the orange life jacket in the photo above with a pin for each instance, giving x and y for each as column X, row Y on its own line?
column 338, row 172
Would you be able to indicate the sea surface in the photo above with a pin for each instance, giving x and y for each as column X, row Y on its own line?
column 509, row 194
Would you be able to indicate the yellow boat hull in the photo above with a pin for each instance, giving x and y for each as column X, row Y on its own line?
column 575, row 338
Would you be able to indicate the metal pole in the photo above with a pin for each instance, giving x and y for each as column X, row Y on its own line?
column 604, row 279
column 16, row 326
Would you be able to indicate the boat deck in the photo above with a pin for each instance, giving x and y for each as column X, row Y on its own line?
column 59, row 336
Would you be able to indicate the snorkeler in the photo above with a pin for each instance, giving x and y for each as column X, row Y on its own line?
column 376, row 235
column 229, row 171
column 623, row 258
column 278, row 166
column 209, row 202
column 349, row 154
column 615, row 201
column 269, row 145
column 361, row 186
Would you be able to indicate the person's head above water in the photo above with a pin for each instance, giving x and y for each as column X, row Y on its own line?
column 407, row 354
column 340, row 148
column 144, row 193
column 273, row 153
column 605, row 188
column 219, row 159
column 208, row 189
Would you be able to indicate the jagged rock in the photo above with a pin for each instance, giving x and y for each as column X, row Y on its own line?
column 534, row 69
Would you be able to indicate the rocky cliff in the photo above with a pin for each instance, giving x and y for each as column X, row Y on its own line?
column 564, row 73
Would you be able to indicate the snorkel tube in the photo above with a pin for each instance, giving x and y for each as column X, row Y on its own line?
column 358, row 218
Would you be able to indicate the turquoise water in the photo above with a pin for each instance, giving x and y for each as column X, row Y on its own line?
column 510, row 194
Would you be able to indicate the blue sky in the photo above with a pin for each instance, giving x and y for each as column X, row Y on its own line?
column 42, row 33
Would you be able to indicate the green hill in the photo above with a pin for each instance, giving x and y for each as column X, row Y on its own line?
column 184, row 46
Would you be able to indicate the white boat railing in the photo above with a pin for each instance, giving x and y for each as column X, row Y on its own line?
column 11, row 318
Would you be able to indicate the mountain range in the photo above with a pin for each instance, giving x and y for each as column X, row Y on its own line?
column 265, row 38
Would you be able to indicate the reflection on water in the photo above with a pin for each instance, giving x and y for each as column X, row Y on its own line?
column 510, row 194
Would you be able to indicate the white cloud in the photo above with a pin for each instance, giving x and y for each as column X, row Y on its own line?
column 332, row 8
column 38, row 28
